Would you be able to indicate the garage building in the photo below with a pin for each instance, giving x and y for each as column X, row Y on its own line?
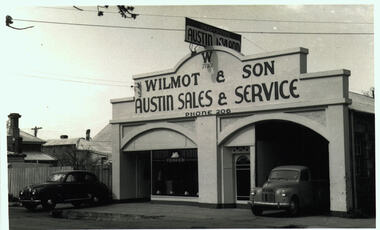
column 213, row 127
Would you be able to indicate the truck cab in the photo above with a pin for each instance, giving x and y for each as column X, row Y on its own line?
column 287, row 187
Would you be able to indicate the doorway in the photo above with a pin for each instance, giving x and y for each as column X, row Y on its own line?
column 242, row 172
column 143, row 173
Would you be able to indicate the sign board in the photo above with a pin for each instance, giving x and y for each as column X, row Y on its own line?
column 206, row 35
column 230, row 85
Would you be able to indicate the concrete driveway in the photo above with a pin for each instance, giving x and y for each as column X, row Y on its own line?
column 153, row 215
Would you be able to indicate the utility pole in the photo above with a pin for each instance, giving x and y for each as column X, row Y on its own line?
column 36, row 130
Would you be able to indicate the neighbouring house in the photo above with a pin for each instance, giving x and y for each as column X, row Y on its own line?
column 80, row 153
column 32, row 148
column 24, row 149
column 100, row 144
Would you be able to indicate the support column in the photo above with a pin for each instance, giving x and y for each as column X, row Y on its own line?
column 208, row 159
column 116, row 164
column 228, row 177
column 339, row 159
column 252, row 152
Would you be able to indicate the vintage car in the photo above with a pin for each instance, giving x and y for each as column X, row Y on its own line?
column 287, row 187
column 75, row 187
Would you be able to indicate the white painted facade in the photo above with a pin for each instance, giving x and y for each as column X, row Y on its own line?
column 318, row 101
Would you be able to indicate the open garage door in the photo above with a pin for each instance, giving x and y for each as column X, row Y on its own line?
column 286, row 143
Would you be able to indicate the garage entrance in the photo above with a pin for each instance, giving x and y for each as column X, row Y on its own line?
column 287, row 143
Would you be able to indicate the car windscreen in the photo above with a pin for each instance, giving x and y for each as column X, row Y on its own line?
column 57, row 177
column 284, row 175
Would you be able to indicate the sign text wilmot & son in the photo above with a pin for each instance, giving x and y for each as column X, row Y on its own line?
column 184, row 92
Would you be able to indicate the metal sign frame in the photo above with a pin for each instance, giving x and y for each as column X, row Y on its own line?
column 206, row 35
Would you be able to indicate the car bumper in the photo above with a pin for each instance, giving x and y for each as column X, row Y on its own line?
column 269, row 204
column 31, row 201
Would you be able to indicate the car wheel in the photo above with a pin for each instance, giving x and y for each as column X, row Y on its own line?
column 294, row 208
column 30, row 207
column 48, row 203
column 94, row 199
column 256, row 211
column 76, row 204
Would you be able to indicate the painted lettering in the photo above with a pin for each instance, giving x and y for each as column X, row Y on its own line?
column 154, row 104
column 266, row 91
column 171, row 82
column 258, row 69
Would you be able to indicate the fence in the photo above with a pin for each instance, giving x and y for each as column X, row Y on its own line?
column 104, row 173
column 18, row 178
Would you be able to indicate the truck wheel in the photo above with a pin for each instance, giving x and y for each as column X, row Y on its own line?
column 48, row 203
column 294, row 208
column 256, row 211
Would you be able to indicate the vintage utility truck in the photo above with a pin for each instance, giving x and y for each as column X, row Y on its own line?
column 287, row 187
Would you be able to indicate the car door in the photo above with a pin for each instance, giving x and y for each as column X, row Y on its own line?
column 91, row 182
column 73, row 186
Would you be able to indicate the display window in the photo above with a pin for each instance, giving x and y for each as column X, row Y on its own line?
column 175, row 172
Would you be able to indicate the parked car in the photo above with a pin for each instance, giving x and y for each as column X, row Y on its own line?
column 287, row 187
column 75, row 187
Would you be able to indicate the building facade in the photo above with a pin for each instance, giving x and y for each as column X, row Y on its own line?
column 214, row 126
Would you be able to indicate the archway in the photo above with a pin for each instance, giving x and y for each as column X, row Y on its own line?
column 287, row 143
column 160, row 162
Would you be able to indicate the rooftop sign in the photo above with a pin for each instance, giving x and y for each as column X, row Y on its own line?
column 206, row 35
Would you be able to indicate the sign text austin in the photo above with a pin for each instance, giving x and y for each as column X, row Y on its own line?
column 206, row 35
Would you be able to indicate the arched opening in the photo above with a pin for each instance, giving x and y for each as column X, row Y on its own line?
column 159, row 162
column 287, row 143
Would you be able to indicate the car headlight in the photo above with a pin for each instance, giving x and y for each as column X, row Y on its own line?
column 34, row 192
column 21, row 193
column 283, row 193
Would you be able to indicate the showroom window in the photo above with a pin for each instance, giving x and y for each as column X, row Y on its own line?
column 175, row 172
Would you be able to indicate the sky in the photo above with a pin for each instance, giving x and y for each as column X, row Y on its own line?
column 62, row 77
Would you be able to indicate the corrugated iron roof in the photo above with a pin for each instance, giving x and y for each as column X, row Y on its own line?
column 68, row 141
column 101, row 143
column 38, row 156
column 105, row 134
column 102, row 147
column 29, row 138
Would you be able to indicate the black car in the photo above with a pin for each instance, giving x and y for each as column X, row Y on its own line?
column 75, row 187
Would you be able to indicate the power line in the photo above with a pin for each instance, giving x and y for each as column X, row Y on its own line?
column 97, row 25
column 229, row 19
column 303, row 33
column 261, row 20
column 181, row 30
column 68, row 80
column 254, row 44
column 85, row 78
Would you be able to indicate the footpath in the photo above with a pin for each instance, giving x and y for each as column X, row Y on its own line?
column 153, row 215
